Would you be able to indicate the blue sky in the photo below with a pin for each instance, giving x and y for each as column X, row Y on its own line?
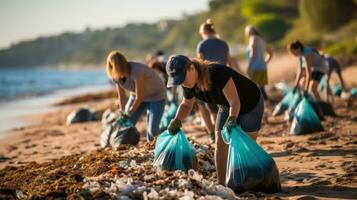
column 26, row 19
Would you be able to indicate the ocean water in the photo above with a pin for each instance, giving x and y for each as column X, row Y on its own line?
column 22, row 82
column 28, row 91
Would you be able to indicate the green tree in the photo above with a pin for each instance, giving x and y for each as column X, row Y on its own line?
column 325, row 15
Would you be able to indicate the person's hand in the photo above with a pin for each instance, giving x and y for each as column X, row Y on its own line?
column 230, row 123
column 306, row 93
column 295, row 89
column 174, row 126
column 123, row 118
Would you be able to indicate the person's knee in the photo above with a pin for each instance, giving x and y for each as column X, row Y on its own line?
column 219, row 139
column 253, row 135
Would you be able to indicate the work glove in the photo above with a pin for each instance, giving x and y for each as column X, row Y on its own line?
column 230, row 123
column 306, row 94
column 123, row 118
column 174, row 126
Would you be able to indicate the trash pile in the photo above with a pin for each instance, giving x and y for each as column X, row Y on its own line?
column 126, row 172
column 138, row 179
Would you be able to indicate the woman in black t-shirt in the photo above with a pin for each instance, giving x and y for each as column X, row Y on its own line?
column 238, row 98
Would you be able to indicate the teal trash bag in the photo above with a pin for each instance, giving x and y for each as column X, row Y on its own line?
column 337, row 90
column 249, row 167
column 305, row 119
column 124, row 123
column 354, row 92
column 316, row 105
column 283, row 105
column 322, row 83
column 168, row 115
column 294, row 102
column 174, row 152
column 323, row 108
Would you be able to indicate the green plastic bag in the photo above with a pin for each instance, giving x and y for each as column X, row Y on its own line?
column 174, row 152
column 305, row 119
column 283, row 105
column 249, row 167
column 322, row 83
column 354, row 92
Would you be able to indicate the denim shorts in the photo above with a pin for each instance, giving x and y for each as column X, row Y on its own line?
column 250, row 122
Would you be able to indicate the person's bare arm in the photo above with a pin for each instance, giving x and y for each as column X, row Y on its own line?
column 252, row 45
column 121, row 97
column 269, row 56
column 339, row 74
column 299, row 74
column 174, row 94
column 139, row 94
column 231, row 94
column 231, row 62
column 184, row 109
column 308, row 59
column 327, row 86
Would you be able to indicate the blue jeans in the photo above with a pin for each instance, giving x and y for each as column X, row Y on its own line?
column 155, row 110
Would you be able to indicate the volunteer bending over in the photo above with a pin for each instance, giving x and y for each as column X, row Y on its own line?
column 147, row 91
column 238, row 98
column 312, row 67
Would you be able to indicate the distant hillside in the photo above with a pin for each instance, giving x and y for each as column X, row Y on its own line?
column 89, row 47
column 281, row 21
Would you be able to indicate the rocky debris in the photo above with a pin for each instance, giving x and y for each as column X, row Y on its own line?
column 82, row 115
column 125, row 172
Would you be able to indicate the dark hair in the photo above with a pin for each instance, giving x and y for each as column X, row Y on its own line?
column 159, row 53
column 159, row 66
column 296, row 45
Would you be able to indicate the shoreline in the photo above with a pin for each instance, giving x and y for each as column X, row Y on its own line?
column 17, row 113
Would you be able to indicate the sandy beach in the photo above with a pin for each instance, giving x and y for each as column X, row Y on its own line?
column 41, row 158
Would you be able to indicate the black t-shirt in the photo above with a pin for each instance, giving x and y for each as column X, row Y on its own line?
column 248, row 91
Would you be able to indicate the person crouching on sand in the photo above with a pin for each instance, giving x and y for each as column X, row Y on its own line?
column 147, row 91
column 239, row 99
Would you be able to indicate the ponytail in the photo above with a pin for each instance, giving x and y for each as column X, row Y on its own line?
column 208, row 28
column 204, row 80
